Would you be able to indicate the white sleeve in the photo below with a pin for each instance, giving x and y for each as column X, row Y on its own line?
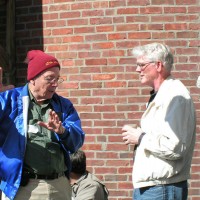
column 176, row 130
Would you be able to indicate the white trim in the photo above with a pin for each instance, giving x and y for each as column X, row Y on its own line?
column 25, row 100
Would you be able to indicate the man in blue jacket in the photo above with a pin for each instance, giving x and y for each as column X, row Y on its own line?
column 38, row 130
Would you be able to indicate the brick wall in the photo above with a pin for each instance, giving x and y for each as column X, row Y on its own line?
column 2, row 24
column 92, row 40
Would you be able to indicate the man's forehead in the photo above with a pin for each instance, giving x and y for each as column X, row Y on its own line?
column 141, row 59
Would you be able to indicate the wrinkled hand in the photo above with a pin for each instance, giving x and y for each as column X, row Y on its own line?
column 131, row 134
column 54, row 124
column 4, row 88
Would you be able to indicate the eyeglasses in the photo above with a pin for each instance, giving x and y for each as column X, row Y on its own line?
column 52, row 80
column 143, row 66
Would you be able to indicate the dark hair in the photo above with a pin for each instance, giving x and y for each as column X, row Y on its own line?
column 78, row 162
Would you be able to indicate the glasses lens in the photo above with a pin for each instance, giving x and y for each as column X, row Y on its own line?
column 142, row 66
column 60, row 80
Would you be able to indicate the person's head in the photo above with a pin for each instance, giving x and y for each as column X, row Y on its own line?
column 154, row 61
column 78, row 162
column 43, row 74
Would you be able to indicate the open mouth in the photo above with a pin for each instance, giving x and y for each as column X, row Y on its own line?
column 141, row 76
column 51, row 91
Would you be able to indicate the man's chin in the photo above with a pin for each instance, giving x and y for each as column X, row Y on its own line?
column 143, row 81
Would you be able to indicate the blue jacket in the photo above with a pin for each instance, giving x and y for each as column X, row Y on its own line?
column 13, row 130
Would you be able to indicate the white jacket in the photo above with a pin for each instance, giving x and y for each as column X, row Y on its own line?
column 165, row 153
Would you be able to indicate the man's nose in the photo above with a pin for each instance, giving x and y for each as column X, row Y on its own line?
column 138, row 69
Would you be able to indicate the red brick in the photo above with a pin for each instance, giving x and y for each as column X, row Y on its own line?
column 96, row 62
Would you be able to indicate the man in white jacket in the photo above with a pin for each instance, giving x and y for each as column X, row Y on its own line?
column 165, row 139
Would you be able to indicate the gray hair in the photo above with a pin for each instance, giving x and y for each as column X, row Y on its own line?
column 155, row 52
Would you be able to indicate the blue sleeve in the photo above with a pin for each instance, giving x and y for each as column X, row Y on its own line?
column 73, row 137
column 4, row 115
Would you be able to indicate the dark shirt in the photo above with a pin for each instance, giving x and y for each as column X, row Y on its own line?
column 153, row 95
column 43, row 152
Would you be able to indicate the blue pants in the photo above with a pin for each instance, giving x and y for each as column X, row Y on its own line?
column 176, row 191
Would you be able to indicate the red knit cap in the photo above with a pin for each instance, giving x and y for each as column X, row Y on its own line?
column 38, row 61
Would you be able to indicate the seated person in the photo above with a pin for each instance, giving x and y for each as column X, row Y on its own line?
column 85, row 186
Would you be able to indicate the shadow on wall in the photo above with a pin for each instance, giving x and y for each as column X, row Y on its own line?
column 28, row 34
column 21, row 29
column 7, row 43
column 4, row 64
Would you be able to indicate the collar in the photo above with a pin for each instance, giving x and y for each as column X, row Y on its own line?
column 84, row 176
column 32, row 98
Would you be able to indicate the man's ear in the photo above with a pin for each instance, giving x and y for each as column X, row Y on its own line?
column 32, row 82
column 159, row 66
